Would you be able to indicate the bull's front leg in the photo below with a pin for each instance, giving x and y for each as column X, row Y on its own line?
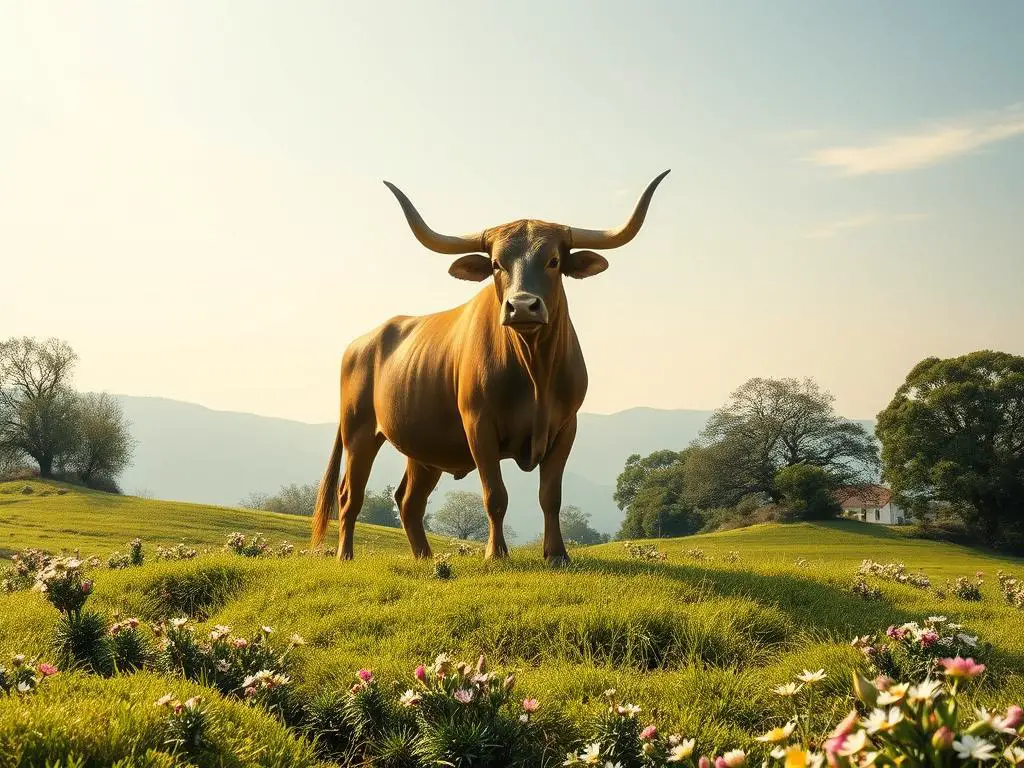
column 551, row 469
column 483, row 444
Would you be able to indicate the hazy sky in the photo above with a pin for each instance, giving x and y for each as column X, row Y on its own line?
column 190, row 192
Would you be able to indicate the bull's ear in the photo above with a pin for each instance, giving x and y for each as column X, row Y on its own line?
column 580, row 264
column 471, row 267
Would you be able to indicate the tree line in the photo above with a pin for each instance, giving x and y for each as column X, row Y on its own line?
column 80, row 437
column 950, row 445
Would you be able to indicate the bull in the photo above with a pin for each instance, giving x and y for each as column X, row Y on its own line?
column 499, row 377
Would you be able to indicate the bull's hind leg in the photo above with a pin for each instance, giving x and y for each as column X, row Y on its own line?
column 411, row 496
column 360, row 451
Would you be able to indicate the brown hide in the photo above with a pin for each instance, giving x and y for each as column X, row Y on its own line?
column 463, row 389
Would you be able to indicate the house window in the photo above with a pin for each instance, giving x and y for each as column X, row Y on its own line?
column 878, row 515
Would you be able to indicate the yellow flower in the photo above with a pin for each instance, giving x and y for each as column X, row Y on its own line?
column 775, row 735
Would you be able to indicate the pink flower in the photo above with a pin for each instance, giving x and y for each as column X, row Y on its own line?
column 838, row 737
column 420, row 673
column 1014, row 717
column 240, row 642
column 962, row 668
column 703, row 763
column 250, row 692
column 942, row 738
column 46, row 670
column 86, row 587
column 365, row 675
column 530, row 705
column 648, row 733
column 720, row 763
column 463, row 695
column 929, row 638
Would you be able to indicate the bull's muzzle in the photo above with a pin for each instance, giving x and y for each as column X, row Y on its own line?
column 524, row 311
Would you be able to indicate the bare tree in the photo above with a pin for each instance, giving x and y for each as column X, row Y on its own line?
column 38, row 408
column 105, row 442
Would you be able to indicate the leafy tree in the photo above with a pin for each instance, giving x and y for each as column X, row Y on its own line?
column 291, row 499
column 806, row 491
column 461, row 516
column 38, row 413
column 636, row 470
column 105, row 443
column 954, row 434
column 575, row 525
column 379, row 508
column 660, row 507
column 769, row 424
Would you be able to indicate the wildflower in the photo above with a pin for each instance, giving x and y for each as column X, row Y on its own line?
column 970, row 748
column 781, row 733
column 365, row 675
column 24, row 687
column 222, row 665
column 880, row 722
column 591, row 754
column 962, row 668
column 1014, row 716
column 789, row 689
column 928, row 638
column 463, row 695
column 219, row 631
column 239, row 643
column 1014, row 755
column 164, row 700
column 409, row 699
column 443, row 665
column 420, row 673
column 733, row 759
column 893, row 694
column 811, row 677
column 18, row 660
column 648, row 733
column 46, row 670
column 530, row 705
column 481, row 665
column 942, row 738
column 853, row 744
column 680, row 751
column 968, row 640
column 609, row 693
column 296, row 640
column 629, row 710
column 267, row 630
column 179, row 622
column 925, row 691
column 703, row 762
column 1008, row 724
column 86, row 587
column 838, row 736
column 250, row 691
column 935, row 619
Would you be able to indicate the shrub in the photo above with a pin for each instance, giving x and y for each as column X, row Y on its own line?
column 118, row 560
column 24, row 569
column 443, row 567
column 188, row 724
column 24, row 675
column 914, row 651
column 61, row 581
column 81, row 641
column 643, row 551
column 130, row 648
column 1012, row 589
column 864, row 590
column 252, row 547
column 966, row 589
column 177, row 552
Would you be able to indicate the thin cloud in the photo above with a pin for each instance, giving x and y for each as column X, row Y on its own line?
column 924, row 148
column 852, row 223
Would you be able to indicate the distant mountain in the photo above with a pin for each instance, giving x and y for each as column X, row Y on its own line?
column 187, row 452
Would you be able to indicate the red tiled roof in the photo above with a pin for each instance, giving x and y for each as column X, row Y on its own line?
column 863, row 496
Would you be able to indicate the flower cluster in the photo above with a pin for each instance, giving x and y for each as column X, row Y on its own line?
column 913, row 651
column 1011, row 588
column 62, row 582
column 619, row 739
column 177, row 552
column 966, row 589
column 698, row 554
column 467, row 550
column 443, row 566
column 911, row 725
column 188, row 723
column 285, row 549
column 256, row 546
column 24, row 675
column 864, row 590
column 732, row 556
column 894, row 572
column 253, row 668
column 24, row 569
column 643, row 552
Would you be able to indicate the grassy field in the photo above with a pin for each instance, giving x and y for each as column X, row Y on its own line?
column 701, row 640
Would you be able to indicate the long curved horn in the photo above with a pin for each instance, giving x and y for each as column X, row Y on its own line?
column 436, row 242
column 613, row 238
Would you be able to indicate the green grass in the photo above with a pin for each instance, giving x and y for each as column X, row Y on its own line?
column 701, row 641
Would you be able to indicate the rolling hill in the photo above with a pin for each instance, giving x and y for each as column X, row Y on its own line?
column 191, row 453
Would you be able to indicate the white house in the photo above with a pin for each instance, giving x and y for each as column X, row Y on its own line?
column 870, row 504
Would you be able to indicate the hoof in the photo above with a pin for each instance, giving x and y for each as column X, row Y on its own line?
column 558, row 561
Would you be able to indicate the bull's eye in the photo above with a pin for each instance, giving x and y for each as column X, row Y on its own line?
column 553, row 264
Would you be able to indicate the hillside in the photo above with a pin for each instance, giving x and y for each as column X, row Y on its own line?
column 702, row 635
column 239, row 453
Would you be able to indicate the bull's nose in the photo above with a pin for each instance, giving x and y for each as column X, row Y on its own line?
column 524, row 309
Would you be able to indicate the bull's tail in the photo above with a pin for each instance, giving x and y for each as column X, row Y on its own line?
column 327, row 496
